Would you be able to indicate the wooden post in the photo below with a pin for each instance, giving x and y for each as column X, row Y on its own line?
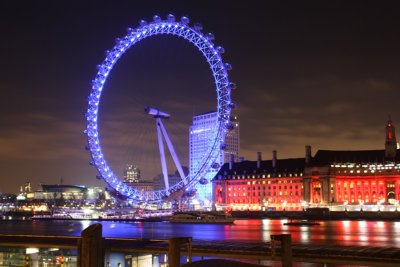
column 174, row 250
column 286, row 248
column 286, row 244
column 91, row 247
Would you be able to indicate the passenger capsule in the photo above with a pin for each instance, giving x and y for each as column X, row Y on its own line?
column 229, row 126
column 215, row 165
column 185, row 20
column 220, row 50
column 228, row 66
column 203, row 181
column 232, row 86
column 198, row 27
column 156, row 19
column 210, row 36
column 170, row 18
column 232, row 105
column 143, row 22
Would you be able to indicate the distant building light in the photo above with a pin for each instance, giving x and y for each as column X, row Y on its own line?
column 32, row 250
column 21, row 197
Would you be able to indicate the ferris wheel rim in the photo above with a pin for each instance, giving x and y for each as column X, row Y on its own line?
column 203, row 42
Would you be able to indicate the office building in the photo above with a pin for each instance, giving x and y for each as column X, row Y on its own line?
column 200, row 134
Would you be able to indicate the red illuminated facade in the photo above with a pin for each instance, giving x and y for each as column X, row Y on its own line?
column 256, row 184
column 330, row 177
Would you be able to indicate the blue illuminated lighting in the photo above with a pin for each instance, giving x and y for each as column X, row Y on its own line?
column 219, row 72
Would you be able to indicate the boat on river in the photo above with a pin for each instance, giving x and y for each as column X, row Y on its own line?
column 202, row 217
column 301, row 223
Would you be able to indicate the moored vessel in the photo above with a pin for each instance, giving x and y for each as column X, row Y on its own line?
column 301, row 223
column 202, row 217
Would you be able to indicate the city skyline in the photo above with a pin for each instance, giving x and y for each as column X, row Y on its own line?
column 308, row 73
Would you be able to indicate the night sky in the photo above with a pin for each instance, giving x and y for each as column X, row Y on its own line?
column 319, row 73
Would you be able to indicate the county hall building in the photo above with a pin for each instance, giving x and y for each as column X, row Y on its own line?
column 364, row 177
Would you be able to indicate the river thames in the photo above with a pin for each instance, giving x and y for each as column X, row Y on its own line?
column 355, row 233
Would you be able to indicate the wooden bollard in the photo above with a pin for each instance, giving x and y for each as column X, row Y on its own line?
column 174, row 250
column 91, row 247
column 286, row 248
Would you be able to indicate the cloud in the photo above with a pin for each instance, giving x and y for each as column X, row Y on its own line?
column 379, row 85
column 40, row 136
column 339, row 107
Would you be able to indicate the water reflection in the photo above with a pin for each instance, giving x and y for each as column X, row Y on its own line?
column 358, row 233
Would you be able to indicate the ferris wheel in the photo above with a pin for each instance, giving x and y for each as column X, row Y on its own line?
column 224, row 104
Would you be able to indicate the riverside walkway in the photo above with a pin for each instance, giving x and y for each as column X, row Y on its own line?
column 350, row 255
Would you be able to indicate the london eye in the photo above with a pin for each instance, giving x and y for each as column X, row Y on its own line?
column 223, row 105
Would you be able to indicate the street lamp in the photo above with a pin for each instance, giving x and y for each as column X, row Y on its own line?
column 304, row 204
column 361, row 204
column 379, row 203
column 264, row 204
column 396, row 204
column 284, row 204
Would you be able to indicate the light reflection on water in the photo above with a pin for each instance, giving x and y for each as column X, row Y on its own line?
column 358, row 233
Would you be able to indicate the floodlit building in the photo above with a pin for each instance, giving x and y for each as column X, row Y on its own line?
column 330, row 177
column 200, row 134
column 261, row 183
column 132, row 178
column 131, row 174
column 355, row 177
column 59, row 191
column 232, row 141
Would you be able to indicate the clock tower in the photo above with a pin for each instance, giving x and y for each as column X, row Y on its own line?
column 390, row 143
